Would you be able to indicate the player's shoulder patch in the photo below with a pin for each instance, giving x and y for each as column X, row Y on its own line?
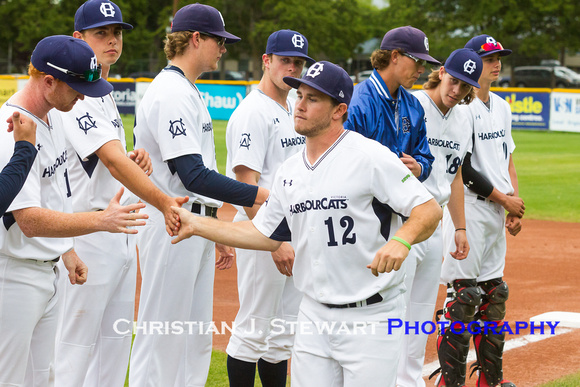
column 86, row 122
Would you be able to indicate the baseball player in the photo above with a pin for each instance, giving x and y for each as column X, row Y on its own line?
column 38, row 227
column 336, row 199
column 89, row 352
column 260, row 135
column 14, row 174
column 175, row 127
column 450, row 85
column 383, row 110
column 475, row 288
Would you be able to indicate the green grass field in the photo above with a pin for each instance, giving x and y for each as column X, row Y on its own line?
column 548, row 166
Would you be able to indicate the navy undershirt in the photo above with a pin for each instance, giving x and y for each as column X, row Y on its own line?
column 14, row 174
column 197, row 178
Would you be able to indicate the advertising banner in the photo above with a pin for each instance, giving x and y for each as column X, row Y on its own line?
column 530, row 110
column 565, row 111
column 125, row 96
column 221, row 100
column 7, row 88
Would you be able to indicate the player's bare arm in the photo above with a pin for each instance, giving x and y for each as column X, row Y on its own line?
column 239, row 234
column 142, row 159
column 284, row 256
column 77, row 270
column 420, row 226
column 412, row 164
column 42, row 222
column 24, row 128
column 456, row 208
column 513, row 222
column 131, row 175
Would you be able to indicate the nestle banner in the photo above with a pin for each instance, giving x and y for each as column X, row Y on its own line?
column 565, row 111
column 530, row 110
column 125, row 96
column 221, row 100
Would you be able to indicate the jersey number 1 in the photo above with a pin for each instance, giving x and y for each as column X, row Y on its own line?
column 348, row 237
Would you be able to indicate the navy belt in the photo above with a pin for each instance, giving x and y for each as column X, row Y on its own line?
column 209, row 211
column 479, row 197
column 375, row 298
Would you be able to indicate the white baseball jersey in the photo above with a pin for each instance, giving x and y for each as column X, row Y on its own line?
column 340, row 211
column 46, row 186
column 449, row 139
column 169, row 130
column 88, row 126
column 261, row 136
column 492, row 141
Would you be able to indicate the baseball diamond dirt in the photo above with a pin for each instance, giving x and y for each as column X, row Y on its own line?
column 542, row 273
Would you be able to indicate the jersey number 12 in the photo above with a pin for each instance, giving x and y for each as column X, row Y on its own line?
column 348, row 237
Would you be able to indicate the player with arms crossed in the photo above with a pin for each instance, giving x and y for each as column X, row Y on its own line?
column 89, row 352
column 450, row 85
column 259, row 137
column 337, row 200
column 383, row 110
column 475, row 288
column 175, row 127
column 38, row 226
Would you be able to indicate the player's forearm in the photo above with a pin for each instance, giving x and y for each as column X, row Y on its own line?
column 42, row 222
column 242, row 235
column 422, row 222
column 513, row 176
column 128, row 173
column 456, row 205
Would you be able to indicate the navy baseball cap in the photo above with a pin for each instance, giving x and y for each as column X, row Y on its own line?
column 98, row 13
column 465, row 65
column 202, row 18
column 411, row 40
column 288, row 43
column 72, row 61
column 327, row 78
column 485, row 45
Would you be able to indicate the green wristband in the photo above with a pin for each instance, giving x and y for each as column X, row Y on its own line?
column 401, row 240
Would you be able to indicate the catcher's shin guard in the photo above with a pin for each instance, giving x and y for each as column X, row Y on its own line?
column 490, row 341
column 463, row 296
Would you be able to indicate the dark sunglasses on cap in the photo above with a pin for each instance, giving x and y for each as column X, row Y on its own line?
column 91, row 75
column 490, row 47
column 221, row 41
column 420, row 62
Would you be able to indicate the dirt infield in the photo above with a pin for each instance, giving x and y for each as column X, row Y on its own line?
column 542, row 273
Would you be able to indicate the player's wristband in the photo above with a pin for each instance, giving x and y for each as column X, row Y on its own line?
column 457, row 229
column 401, row 240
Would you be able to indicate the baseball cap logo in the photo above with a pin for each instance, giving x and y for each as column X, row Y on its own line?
column 426, row 42
column 94, row 64
column 469, row 66
column 298, row 41
column 491, row 40
column 107, row 9
column 315, row 70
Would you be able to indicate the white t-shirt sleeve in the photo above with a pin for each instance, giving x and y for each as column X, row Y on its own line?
column 249, row 139
column 178, row 125
column 87, row 127
column 270, row 219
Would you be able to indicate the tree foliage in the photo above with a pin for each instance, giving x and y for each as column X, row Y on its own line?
column 534, row 29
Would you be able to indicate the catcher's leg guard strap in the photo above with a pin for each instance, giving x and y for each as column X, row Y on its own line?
column 452, row 349
column 489, row 349
column 495, row 295
column 464, row 297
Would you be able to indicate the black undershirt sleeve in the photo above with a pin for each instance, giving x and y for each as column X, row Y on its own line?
column 474, row 180
column 197, row 178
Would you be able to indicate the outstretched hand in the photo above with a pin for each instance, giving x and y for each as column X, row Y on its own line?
column 172, row 222
column 186, row 228
column 117, row 218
